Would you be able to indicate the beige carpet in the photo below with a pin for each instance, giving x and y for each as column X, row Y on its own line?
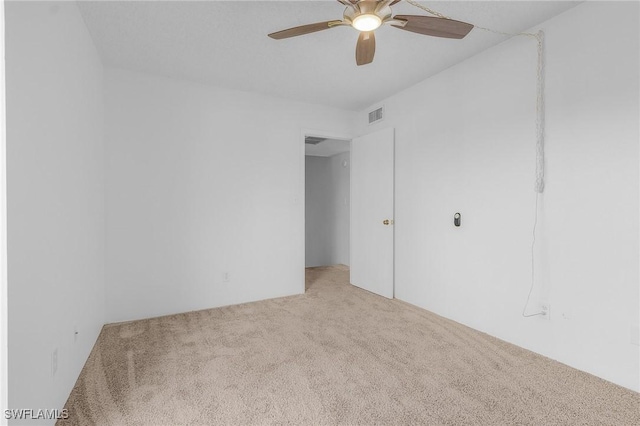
column 335, row 355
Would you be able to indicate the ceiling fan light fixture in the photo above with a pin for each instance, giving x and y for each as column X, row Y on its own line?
column 366, row 22
column 366, row 16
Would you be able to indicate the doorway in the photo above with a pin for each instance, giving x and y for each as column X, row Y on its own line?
column 327, row 201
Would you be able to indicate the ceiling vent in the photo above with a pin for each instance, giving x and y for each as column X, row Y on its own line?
column 313, row 140
column 376, row 115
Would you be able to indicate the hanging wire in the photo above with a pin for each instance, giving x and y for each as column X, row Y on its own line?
column 440, row 15
column 540, row 114
column 533, row 265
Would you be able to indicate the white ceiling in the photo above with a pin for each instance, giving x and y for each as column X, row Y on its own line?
column 225, row 43
column 327, row 148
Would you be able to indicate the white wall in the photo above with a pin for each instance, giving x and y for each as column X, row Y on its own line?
column 203, row 182
column 340, row 184
column 55, row 174
column 327, row 204
column 465, row 142
column 317, row 212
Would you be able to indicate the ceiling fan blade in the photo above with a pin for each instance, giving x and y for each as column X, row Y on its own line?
column 437, row 27
column 366, row 48
column 304, row 29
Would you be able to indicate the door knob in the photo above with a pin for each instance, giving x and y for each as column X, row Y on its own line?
column 385, row 222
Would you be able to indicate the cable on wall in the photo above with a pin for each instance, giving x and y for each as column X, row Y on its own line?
column 540, row 114
column 539, row 37
column 533, row 264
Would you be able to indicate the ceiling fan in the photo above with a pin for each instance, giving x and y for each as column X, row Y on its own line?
column 368, row 15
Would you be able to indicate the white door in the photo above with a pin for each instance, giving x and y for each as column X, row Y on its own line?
column 372, row 159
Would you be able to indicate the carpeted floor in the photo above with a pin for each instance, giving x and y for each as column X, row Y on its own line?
column 335, row 355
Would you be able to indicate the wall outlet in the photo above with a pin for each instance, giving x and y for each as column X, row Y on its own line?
column 226, row 277
column 545, row 308
column 54, row 362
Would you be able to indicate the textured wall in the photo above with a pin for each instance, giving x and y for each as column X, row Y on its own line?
column 205, row 194
column 465, row 142
column 55, row 175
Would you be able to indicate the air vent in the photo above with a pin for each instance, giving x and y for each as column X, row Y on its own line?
column 313, row 140
column 376, row 115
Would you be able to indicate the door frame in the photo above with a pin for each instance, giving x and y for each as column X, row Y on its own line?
column 302, row 188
